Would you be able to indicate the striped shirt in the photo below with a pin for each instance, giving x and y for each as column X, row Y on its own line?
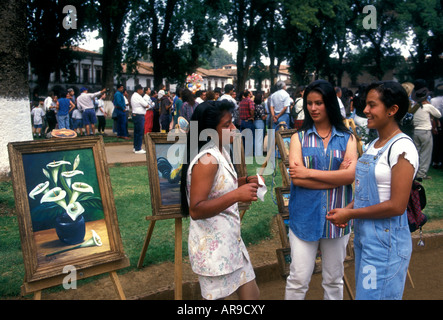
column 308, row 207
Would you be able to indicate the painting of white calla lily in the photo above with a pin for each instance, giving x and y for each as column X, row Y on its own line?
column 63, row 189
column 65, row 210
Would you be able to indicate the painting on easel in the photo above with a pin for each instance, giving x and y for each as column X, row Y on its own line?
column 65, row 206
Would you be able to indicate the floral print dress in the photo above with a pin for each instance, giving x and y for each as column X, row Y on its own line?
column 216, row 250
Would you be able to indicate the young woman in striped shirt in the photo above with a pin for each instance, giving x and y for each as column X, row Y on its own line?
column 322, row 161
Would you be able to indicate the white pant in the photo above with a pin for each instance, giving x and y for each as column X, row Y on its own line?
column 303, row 254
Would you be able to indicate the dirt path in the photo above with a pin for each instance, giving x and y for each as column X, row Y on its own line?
column 156, row 281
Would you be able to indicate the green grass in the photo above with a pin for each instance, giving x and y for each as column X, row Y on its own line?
column 133, row 203
column 433, row 188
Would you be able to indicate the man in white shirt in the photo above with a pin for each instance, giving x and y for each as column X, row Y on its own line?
column 85, row 103
column 280, row 105
column 338, row 92
column 139, row 106
column 229, row 94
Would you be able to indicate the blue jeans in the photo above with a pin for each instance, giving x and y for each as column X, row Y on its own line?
column 121, row 123
column 283, row 118
column 249, row 148
column 259, row 133
column 139, row 125
column 382, row 247
column 63, row 122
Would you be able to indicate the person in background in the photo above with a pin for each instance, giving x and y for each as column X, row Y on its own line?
column 423, row 130
column 120, row 109
column 259, row 124
column 37, row 114
column 51, row 113
column 384, row 175
column 101, row 114
column 178, row 103
column 246, row 111
column 149, row 115
column 437, row 102
column 299, row 114
column 189, row 104
column 64, row 107
column 280, row 106
column 165, row 105
column 77, row 121
column 139, row 106
column 85, row 102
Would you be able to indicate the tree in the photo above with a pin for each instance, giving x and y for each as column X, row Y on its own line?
column 158, row 27
column 111, row 16
column 15, row 124
column 425, row 19
column 245, row 25
column 380, row 55
column 218, row 58
column 48, row 35
column 313, row 25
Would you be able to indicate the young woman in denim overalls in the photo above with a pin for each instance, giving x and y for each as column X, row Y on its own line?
column 382, row 242
column 322, row 161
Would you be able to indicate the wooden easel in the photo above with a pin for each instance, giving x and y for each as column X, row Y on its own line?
column 115, row 282
column 36, row 287
column 178, row 255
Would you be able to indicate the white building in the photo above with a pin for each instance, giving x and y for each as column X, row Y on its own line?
column 86, row 71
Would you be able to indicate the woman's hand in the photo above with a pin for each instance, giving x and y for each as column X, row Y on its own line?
column 247, row 192
column 339, row 217
column 297, row 171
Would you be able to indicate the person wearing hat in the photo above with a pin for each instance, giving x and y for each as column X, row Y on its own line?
column 85, row 102
column 423, row 130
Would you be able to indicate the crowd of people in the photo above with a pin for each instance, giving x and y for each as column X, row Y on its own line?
column 66, row 111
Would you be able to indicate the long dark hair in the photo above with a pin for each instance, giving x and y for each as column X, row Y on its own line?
column 331, row 103
column 208, row 115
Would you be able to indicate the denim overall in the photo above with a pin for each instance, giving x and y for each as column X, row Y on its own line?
column 382, row 247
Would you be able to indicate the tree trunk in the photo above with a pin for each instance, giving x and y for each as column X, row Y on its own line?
column 15, row 120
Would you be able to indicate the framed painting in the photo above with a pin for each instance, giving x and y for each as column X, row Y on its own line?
column 65, row 208
column 284, row 170
column 284, row 260
column 283, row 194
column 165, row 160
column 283, row 140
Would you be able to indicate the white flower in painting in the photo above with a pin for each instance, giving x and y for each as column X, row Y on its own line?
column 69, row 174
column 56, row 195
column 74, row 210
column 80, row 187
column 55, row 167
column 39, row 189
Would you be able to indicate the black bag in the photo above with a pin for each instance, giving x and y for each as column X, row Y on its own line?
column 416, row 203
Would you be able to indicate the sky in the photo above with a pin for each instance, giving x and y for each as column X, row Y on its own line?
column 94, row 44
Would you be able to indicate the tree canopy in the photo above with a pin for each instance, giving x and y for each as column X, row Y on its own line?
column 315, row 37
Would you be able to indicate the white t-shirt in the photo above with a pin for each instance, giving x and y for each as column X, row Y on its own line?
column 101, row 106
column 382, row 169
column 38, row 114
column 422, row 119
column 299, row 109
